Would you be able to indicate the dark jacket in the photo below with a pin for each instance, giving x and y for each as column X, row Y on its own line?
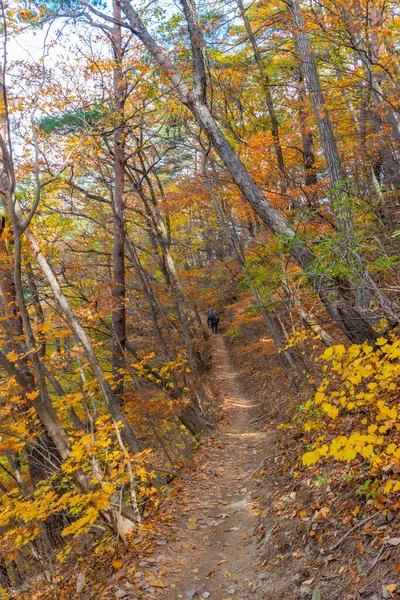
column 214, row 318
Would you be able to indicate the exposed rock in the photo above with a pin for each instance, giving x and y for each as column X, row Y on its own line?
column 241, row 504
column 301, row 576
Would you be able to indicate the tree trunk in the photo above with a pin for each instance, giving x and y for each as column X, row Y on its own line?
column 311, row 77
column 118, row 287
column 310, row 174
column 310, row 322
column 268, row 97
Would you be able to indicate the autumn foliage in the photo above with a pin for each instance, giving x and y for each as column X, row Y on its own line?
column 156, row 161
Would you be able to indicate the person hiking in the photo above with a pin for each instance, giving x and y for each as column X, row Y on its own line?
column 210, row 313
column 214, row 322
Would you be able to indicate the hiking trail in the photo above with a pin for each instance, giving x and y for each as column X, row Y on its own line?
column 215, row 553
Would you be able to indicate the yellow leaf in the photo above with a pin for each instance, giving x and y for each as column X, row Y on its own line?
column 349, row 453
column 388, row 486
column 367, row 451
column 142, row 473
column 12, row 356
column 331, row 410
column 310, row 458
column 392, row 587
column 340, row 350
column 32, row 395
column 324, row 450
column 117, row 564
column 391, row 449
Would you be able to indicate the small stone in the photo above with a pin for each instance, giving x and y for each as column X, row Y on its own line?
column 305, row 592
column 316, row 595
column 206, row 595
column 385, row 593
column 121, row 593
column 232, row 591
column 301, row 576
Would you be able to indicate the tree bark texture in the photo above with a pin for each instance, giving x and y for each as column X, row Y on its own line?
column 118, row 287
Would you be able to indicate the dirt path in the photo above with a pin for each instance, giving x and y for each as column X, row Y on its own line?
column 215, row 549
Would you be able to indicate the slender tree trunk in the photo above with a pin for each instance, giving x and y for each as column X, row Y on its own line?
column 118, row 288
column 268, row 97
column 311, row 77
column 310, row 174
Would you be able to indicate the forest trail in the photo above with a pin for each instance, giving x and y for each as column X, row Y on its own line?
column 215, row 552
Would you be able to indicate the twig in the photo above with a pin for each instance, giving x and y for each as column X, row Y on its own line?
column 376, row 560
column 346, row 535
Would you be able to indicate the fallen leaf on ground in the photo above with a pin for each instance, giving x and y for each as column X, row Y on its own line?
column 391, row 587
column 210, row 574
column 157, row 583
